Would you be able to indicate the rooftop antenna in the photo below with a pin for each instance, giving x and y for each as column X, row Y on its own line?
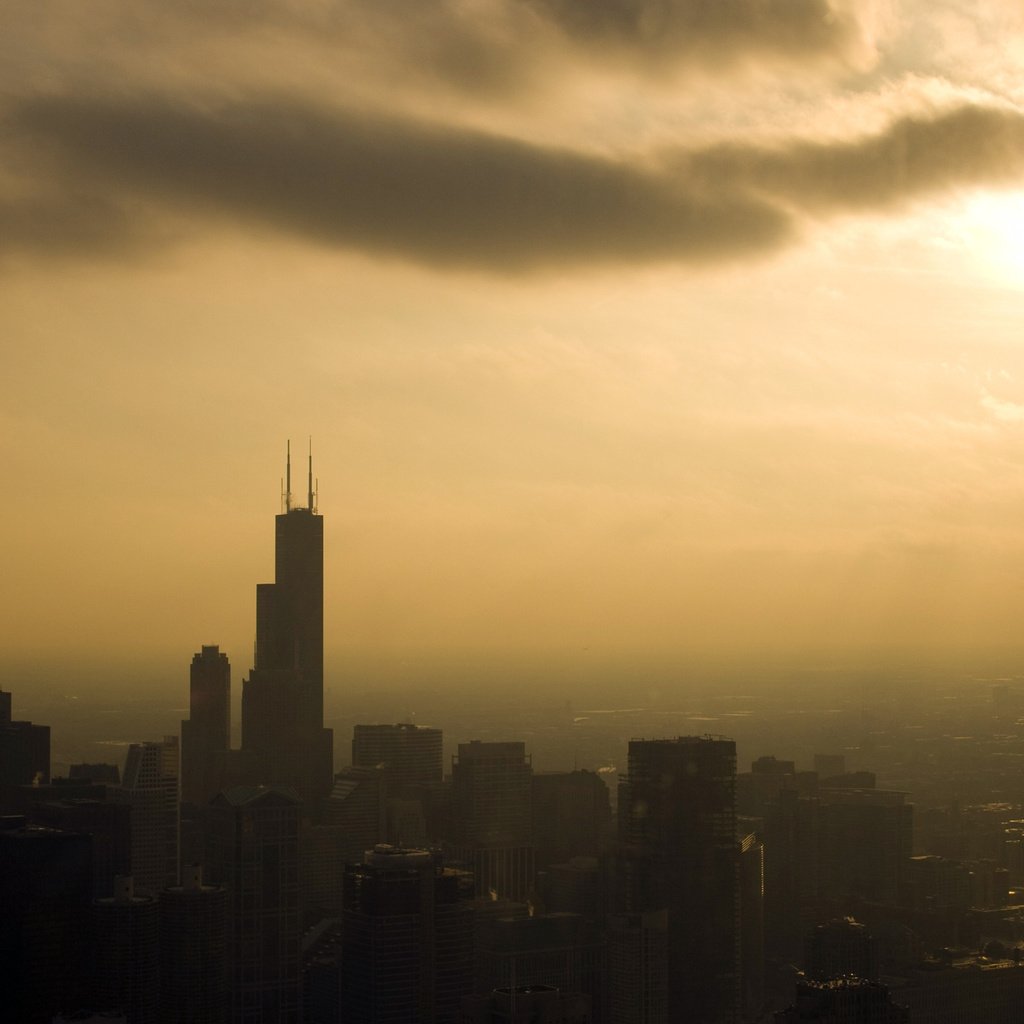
column 312, row 507
column 288, row 479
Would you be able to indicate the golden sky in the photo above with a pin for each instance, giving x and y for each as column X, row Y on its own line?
column 639, row 327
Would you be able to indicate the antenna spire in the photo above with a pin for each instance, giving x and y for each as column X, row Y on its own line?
column 310, row 505
column 288, row 480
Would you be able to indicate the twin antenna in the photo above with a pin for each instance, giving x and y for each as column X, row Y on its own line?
column 286, row 484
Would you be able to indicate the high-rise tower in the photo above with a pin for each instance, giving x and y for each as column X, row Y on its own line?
column 679, row 853
column 206, row 733
column 283, row 698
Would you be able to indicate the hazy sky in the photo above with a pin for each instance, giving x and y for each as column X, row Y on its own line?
column 628, row 327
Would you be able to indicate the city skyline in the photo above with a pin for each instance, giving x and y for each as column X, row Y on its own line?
column 634, row 343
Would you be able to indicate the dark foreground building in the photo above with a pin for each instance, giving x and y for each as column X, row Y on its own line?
column 407, row 939
column 679, row 853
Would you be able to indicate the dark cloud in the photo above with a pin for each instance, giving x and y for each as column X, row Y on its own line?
column 56, row 225
column 463, row 198
column 710, row 30
column 440, row 196
column 913, row 157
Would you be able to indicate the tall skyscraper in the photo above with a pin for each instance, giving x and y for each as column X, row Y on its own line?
column 45, row 890
column 150, row 787
column 126, row 960
column 206, row 733
column 283, row 699
column 254, row 854
column 407, row 937
column 679, row 852
column 491, row 802
column 193, row 951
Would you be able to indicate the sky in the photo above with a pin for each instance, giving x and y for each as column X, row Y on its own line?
column 626, row 332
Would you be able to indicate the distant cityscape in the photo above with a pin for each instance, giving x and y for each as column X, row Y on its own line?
column 878, row 878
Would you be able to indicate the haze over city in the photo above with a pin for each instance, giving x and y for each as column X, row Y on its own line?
column 628, row 335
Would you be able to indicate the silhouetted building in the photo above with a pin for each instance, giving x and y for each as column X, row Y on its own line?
column 638, row 968
column 45, row 920
column 572, row 816
column 865, row 843
column 576, row 887
column 24, row 748
column 206, row 733
column 410, row 755
column 283, row 699
column 321, row 973
column 150, row 789
column 193, row 951
column 791, row 873
column 843, row 1001
column 839, row 948
column 677, row 816
column 411, row 760
column 751, row 926
column 104, row 774
column 407, row 939
column 356, row 809
column 492, row 822
column 527, row 1004
column 126, row 962
column 561, row 951
column 254, row 835
column 106, row 822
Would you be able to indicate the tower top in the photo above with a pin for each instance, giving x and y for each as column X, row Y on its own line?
column 286, row 487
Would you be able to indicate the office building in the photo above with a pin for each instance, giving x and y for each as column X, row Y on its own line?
column 206, row 733
column 150, row 788
column 409, row 755
column 254, row 855
column 637, row 984
column 843, row 1001
column 126, row 962
column 562, row 951
column 678, row 851
column 491, row 817
column 356, row 809
column 193, row 951
column 407, row 937
column 45, row 892
column 24, row 748
column 839, row 948
column 571, row 815
column 283, row 732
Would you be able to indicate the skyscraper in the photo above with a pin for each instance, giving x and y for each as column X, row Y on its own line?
column 410, row 755
column 193, row 951
column 24, row 749
column 407, row 939
column 150, row 788
column 206, row 734
column 126, row 953
column 283, row 699
column 254, row 854
column 491, row 801
column 677, row 818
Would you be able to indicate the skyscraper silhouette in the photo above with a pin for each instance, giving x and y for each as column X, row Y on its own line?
column 677, row 828
column 283, row 730
column 150, row 787
column 206, row 734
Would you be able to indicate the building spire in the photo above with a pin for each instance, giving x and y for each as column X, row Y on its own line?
column 288, row 480
column 311, row 505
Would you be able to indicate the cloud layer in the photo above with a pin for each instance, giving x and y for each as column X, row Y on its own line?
column 454, row 196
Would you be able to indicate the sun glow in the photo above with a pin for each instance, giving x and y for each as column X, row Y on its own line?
column 994, row 234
